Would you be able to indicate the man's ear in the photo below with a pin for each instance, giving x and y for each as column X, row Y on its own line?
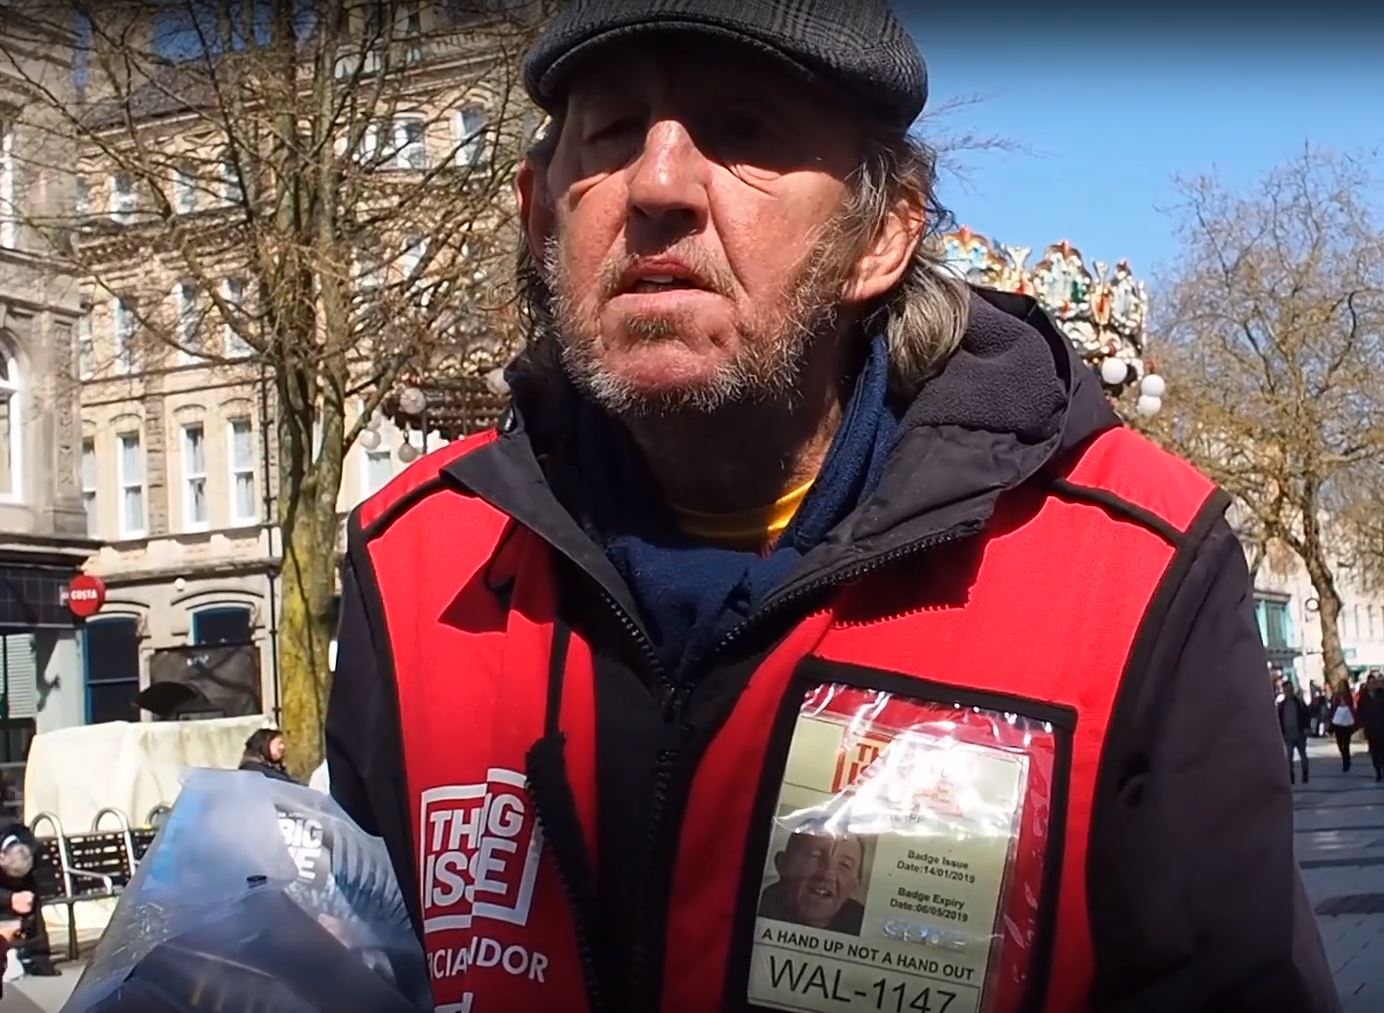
column 887, row 257
column 535, row 207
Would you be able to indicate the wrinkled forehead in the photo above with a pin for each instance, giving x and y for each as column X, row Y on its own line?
column 817, row 836
column 692, row 71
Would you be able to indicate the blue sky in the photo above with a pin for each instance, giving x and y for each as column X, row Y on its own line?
column 1109, row 112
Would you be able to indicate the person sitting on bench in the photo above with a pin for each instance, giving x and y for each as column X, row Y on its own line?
column 19, row 895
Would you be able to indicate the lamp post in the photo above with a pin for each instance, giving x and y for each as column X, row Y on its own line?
column 413, row 403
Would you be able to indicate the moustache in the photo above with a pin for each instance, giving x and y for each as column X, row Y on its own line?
column 711, row 274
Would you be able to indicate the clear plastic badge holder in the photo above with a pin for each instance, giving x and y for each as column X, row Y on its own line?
column 905, row 858
column 257, row 894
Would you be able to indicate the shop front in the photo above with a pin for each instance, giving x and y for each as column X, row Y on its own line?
column 40, row 659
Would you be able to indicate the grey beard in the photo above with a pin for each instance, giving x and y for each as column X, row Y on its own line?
column 767, row 369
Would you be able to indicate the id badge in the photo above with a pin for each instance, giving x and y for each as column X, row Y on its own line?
column 896, row 839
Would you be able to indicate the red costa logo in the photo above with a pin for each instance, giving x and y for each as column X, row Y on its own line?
column 480, row 850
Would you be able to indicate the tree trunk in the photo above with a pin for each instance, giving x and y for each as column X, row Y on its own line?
column 1334, row 667
column 305, row 624
column 1314, row 557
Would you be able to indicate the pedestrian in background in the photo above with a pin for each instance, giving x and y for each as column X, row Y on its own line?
column 1371, row 714
column 1318, row 709
column 19, row 898
column 1343, row 721
column 1293, row 718
column 264, row 754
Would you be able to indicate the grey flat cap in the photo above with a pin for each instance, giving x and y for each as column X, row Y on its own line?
column 858, row 47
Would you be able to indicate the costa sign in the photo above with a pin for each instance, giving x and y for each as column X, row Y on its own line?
column 85, row 595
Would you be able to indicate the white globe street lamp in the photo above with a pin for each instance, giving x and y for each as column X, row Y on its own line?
column 1153, row 385
column 412, row 401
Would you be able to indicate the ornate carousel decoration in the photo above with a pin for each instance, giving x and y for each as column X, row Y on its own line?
column 462, row 392
column 1102, row 312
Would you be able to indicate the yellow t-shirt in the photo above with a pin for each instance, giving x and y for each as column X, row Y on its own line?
column 745, row 529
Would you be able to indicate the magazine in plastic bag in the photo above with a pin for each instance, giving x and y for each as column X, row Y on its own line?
column 257, row 894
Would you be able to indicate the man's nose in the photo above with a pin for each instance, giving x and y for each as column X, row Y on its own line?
column 668, row 182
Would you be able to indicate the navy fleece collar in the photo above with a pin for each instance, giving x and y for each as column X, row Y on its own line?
column 689, row 594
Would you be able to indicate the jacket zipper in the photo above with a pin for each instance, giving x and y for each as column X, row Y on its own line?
column 650, row 919
column 581, row 919
column 893, row 557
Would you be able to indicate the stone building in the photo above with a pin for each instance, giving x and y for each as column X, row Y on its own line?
column 1286, row 607
column 43, row 534
column 147, row 450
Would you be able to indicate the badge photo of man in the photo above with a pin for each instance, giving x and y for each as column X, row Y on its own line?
column 821, row 882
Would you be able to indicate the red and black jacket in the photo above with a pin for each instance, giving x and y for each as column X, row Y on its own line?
column 571, row 827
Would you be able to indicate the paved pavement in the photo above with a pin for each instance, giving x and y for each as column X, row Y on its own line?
column 1340, row 846
column 41, row 995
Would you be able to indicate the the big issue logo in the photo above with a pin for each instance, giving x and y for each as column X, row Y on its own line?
column 480, row 846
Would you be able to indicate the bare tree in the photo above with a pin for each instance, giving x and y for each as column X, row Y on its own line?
column 1272, row 336
column 323, row 187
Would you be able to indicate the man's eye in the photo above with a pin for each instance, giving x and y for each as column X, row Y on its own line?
column 618, row 127
column 736, row 126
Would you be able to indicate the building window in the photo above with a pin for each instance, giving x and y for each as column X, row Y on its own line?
column 379, row 469
column 111, row 647
column 1275, row 615
column 124, row 326
column 227, row 626
column 86, row 346
column 184, row 190
column 411, row 255
column 232, row 192
column 194, row 478
column 122, row 198
column 413, row 32
column 81, row 198
column 11, row 425
column 468, row 134
column 233, row 292
column 187, row 333
column 368, row 273
column 130, row 465
column 9, row 186
column 243, row 509
column 410, row 144
column 89, row 486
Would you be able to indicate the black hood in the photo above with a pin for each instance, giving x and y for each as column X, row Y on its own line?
column 1013, row 398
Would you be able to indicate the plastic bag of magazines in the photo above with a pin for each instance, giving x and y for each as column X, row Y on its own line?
column 257, row 895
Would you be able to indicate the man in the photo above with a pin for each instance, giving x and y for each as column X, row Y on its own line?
column 818, row 875
column 775, row 490
column 1293, row 719
column 19, row 899
column 1316, row 707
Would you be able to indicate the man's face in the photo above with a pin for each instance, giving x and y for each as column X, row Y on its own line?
column 694, row 247
column 819, row 872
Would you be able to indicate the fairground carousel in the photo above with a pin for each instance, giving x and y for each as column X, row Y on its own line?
column 1102, row 311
